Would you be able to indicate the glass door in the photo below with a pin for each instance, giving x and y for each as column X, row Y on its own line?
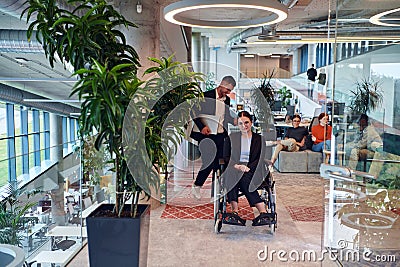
column 363, row 199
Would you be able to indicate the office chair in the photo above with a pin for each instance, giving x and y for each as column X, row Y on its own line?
column 314, row 121
column 74, row 217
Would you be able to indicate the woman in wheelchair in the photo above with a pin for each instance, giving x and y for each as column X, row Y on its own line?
column 245, row 172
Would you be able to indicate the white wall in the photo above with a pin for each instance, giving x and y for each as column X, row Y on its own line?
column 227, row 64
column 174, row 41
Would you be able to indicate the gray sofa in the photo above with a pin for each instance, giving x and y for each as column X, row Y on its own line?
column 302, row 161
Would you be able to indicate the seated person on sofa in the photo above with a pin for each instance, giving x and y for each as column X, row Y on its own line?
column 294, row 139
column 242, row 153
column 365, row 144
column 321, row 134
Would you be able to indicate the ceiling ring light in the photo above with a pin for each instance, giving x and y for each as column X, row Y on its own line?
column 377, row 19
column 174, row 13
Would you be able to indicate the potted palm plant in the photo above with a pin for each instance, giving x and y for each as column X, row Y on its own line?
column 263, row 97
column 12, row 219
column 87, row 35
column 266, row 89
column 366, row 97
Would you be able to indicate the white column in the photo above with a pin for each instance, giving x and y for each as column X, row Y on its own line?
column 196, row 51
column 295, row 66
column 146, row 37
column 205, row 54
column 56, row 154
column 56, row 150
column 312, row 50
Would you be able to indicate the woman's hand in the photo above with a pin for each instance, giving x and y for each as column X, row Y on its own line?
column 301, row 144
column 241, row 167
column 206, row 130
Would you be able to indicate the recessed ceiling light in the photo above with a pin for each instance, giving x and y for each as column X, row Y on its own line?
column 213, row 13
column 264, row 55
column 248, row 55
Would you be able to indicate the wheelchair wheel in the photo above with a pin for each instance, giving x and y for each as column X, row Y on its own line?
column 272, row 229
column 274, row 225
column 218, row 222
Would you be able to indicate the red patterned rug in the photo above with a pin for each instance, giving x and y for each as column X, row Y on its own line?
column 205, row 212
column 397, row 211
column 306, row 214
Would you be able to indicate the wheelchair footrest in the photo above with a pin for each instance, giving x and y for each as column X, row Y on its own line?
column 264, row 219
column 233, row 219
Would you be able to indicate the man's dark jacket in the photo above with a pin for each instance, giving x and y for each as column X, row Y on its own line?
column 208, row 108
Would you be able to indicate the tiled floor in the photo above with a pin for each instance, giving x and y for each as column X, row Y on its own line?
column 192, row 242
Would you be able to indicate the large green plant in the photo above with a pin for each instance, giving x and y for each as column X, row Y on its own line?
column 285, row 95
column 266, row 89
column 174, row 85
column 366, row 97
column 93, row 160
column 12, row 218
column 262, row 96
column 83, row 31
column 87, row 36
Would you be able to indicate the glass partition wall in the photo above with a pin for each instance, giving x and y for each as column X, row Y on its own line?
column 45, row 196
column 362, row 221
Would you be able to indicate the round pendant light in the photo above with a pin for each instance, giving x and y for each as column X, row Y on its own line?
column 225, row 14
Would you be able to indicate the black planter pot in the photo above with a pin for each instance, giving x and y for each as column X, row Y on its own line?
column 118, row 241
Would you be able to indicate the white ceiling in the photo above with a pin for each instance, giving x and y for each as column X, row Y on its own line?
column 307, row 18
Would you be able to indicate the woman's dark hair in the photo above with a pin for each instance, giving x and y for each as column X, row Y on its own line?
column 322, row 115
column 296, row 116
column 245, row 114
column 363, row 117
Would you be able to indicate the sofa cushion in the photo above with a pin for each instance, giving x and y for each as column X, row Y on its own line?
column 306, row 161
column 314, row 160
column 292, row 161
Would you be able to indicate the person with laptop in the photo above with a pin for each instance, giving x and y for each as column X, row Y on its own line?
column 211, row 127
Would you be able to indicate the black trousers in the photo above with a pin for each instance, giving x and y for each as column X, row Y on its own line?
column 237, row 180
column 211, row 149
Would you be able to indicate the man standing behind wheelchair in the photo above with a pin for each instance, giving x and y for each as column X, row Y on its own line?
column 245, row 172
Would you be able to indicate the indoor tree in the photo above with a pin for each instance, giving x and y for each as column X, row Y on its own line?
column 266, row 89
column 12, row 211
column 87, row 35
column 366, row 97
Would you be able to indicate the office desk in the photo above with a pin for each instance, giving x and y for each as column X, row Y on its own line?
column 55, row 257
column 281, row 127
column 67, row 231
column 284, row 124
column 279, row 118
column 77, row 194
column 32, row 231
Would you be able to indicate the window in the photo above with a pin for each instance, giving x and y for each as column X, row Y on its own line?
column 25, row 141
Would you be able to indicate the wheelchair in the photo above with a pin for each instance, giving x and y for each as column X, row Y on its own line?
column 268, row 195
